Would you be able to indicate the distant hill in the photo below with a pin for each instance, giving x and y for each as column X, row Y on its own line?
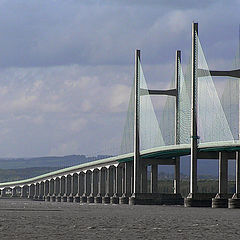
column 49, row 162
column 7, row 175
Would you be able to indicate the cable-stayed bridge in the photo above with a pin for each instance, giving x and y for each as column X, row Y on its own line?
column 195, row 121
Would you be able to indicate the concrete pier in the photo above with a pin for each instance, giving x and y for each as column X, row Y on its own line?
column 94, row 186
column 221, row 199
column 67, row 193
column 234, row 202
column 87, row 186
column 36, row 192
column 124, row 199
column 154, row 178
column 51, row 190
column 101, row 185
column 80, row 187
column 56, row 188
column 3, row 193
column 73, row 187
column 24, row 190
column 144, row 187
column 117, row 185
column 46, row 191
column 14, row 192
column 31, row 191
column 61, row 189
column 109, row 185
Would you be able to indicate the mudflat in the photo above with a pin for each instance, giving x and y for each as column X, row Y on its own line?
column 25, row 219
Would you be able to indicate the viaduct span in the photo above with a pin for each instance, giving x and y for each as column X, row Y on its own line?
column 201, row 128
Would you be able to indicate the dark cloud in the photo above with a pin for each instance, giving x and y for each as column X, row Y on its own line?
column 46, row 33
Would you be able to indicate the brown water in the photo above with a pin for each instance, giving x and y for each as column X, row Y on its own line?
column 23, row 219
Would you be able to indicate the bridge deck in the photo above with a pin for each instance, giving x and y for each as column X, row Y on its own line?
column 164, row 152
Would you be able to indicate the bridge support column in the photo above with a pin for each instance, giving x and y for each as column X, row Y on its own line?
column 154, row 178
column 14, row 192
column 109, row 185
column 144, row 179
column 51, row 190
column 56, row 189
column 234, row 202
column 53, row 195
column 31, row 191
column 24, row 191
column 41, row 190
column 80, row 188
column 3, row 192
column 87, row 186
column 94, row 185
column 101, row 186
column 177, row 176
column 72, row 186
column 117, row 185
column 76, row 198
column 221, row 199
column 61, row 188
column 75, row 184
column 36, row 192
column 67, row 188
column 127, row 188
column 46, row 191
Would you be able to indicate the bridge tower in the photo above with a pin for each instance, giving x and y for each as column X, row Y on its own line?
column 194, row 137
column 136, row 163
column 139, row 195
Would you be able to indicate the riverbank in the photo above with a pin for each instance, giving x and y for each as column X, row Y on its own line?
column 25, row 219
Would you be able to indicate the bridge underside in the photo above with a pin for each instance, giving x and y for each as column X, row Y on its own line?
column 111, row 180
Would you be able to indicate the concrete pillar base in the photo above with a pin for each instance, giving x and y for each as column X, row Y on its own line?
column 35, row 197
column 64, row 198
column 53, row 198
column 58, row 199
column 106, row 199
column 220, row 201
column 47, row 198
column 40, row 198
column 98, row 199
column 132, row 201
column 114, row 199
column 90, row 199
column 234, row 202
column 76, row 199
column 70, row 199
column 199, row 200
column 124, row 199
column 156, row 199
column 83, row 199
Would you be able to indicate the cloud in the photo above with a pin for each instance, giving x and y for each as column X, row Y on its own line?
column 66, row 67
column 32, row 34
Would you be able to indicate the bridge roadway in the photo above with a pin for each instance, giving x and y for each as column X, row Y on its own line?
column 110, row 180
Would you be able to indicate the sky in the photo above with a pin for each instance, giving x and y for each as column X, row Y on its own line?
column 66, row 67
